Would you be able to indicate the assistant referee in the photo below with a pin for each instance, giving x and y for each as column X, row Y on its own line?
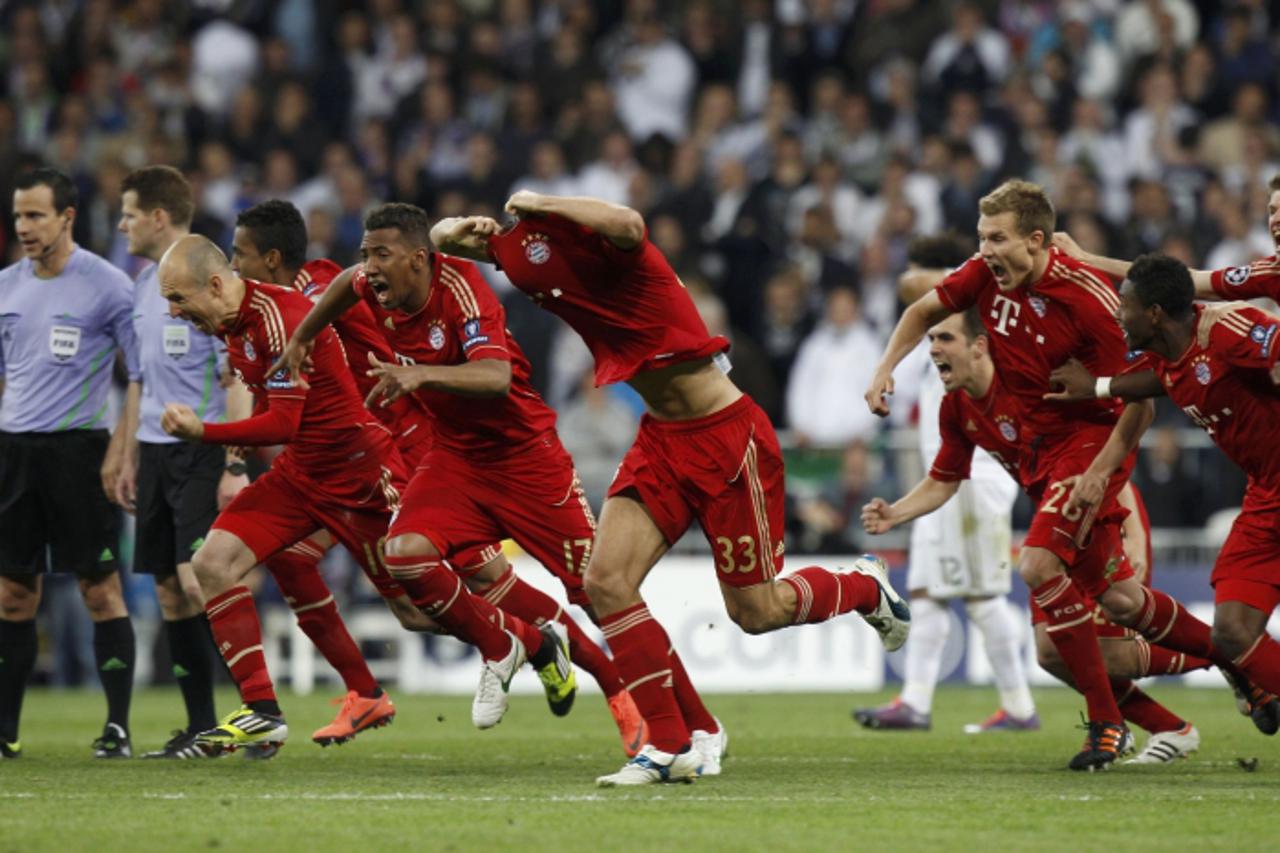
column 64, row 314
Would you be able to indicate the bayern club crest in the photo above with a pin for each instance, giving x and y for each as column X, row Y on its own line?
column 1237, row 276
column 435, row 337
column 537, row 251
column 249, row 352
column 1038, row 305
column 1009, row 432
column 1203, row 373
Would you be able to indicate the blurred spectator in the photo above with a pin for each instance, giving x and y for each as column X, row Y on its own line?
column 824, row 394
column 970, row 55
column 653, row 78
column 1143, row 26
column 1222, row 142
column 751, row 370
column 830, row 521
column 1151, row 129
column 597, row 429
column 1169, row 490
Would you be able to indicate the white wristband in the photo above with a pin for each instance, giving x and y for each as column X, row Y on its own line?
column 1102, row 390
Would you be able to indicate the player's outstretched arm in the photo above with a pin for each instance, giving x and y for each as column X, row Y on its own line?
column 1078, row 383
column 916, row 282
column 465, row 237
column 620, row 225
column 484, row 377
column 879, row 516
column 1118, row 269
column 920, row 315
column 339, row 298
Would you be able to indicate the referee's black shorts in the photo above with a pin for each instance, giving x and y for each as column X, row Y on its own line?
column 53, row 513
column 177, row 503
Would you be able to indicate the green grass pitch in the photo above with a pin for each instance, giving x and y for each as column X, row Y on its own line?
column 800, row 776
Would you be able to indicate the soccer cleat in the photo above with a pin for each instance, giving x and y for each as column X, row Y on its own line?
column 713, row 747
column 181, row 746
column 896, row 716
column 1103, row 743
column 490, row 703
column 1003, row 721
column 1163, row 747
column 112, row 743
column 241, row 728
column 1254, row 702
column 653, row 765
column 555, row 670
column 892, row 618
column 10, row 750
column 632, row 728
column 357, row 714
column 260, row 751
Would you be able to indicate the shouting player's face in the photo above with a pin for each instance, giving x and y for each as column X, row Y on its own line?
column 1009, row 254
column 392, row 267
column 1135, row 319
column 953, row 352
column 1273, row 218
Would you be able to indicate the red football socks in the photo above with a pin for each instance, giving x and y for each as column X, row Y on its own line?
column 1073, row 635
column 511, row 594
column 640, row 651
column 1143, row 711
column 238, row 636
column 297, row 574
column 822, row 594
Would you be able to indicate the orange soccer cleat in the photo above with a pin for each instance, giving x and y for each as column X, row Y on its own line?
column 632, row 728
column 358, row 713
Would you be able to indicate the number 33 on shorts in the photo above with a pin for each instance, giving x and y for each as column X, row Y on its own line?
column 736, row 555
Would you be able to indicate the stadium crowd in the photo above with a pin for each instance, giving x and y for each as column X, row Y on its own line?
column 783, row 153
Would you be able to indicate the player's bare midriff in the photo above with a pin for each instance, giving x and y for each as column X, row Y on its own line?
column 682, row 392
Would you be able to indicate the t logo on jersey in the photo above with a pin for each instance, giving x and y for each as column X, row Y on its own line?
column 1208, row 423
column 1005, row 312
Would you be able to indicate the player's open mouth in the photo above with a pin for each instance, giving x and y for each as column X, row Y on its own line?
column 944, row 369
column 997, row 270
column 379, row 288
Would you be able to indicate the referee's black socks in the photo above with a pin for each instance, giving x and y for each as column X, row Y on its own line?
column 192, row 650
column 114, row 653
column 17, row 659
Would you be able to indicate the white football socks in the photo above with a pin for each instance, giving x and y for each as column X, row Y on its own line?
column 1001, row 635
column 930, row 627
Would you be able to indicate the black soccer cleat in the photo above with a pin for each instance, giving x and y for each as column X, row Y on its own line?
column 10, row 750
column 180, row 747
column 1103, row 744
column 112, row 743
column 1258, row 705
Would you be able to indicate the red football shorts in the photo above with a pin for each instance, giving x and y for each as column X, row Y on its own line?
column 282, row 507
column 1047, row 469
column 725, row 470
column 1246, row 569
column 532, row 496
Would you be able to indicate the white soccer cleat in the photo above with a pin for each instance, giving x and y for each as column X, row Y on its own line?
column 1164, row 747
column 654, row 766
column 712, row 748
column 892, row 618
column 490, row 703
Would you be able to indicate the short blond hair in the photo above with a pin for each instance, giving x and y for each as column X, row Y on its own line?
column 1028, row 202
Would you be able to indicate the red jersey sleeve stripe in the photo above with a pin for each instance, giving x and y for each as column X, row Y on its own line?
column 1238, row 323
column 270, row 313
column 461, row 291
column 1100, row 291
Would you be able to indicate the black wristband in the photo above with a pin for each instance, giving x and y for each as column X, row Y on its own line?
column 237, row 468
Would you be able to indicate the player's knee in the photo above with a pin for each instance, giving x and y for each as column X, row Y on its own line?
column 608, row 591
column 1038, row 566
column 752, row 617
column 103, row 597
column 1231, row 637
column 411, row 545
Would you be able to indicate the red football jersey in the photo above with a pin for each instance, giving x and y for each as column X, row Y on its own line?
column 336, row 429
column 629, row 307
column 990, row 422
column 1226, row 389
column 359, row 333
column 1068, row 313
column 462, row 320
column 1258, row 279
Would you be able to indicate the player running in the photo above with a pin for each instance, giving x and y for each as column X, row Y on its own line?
column 1042, row 307
column 337, row 472
column 1226, row 386
column 976, row 413
column 269, row 244
column 705, row 451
